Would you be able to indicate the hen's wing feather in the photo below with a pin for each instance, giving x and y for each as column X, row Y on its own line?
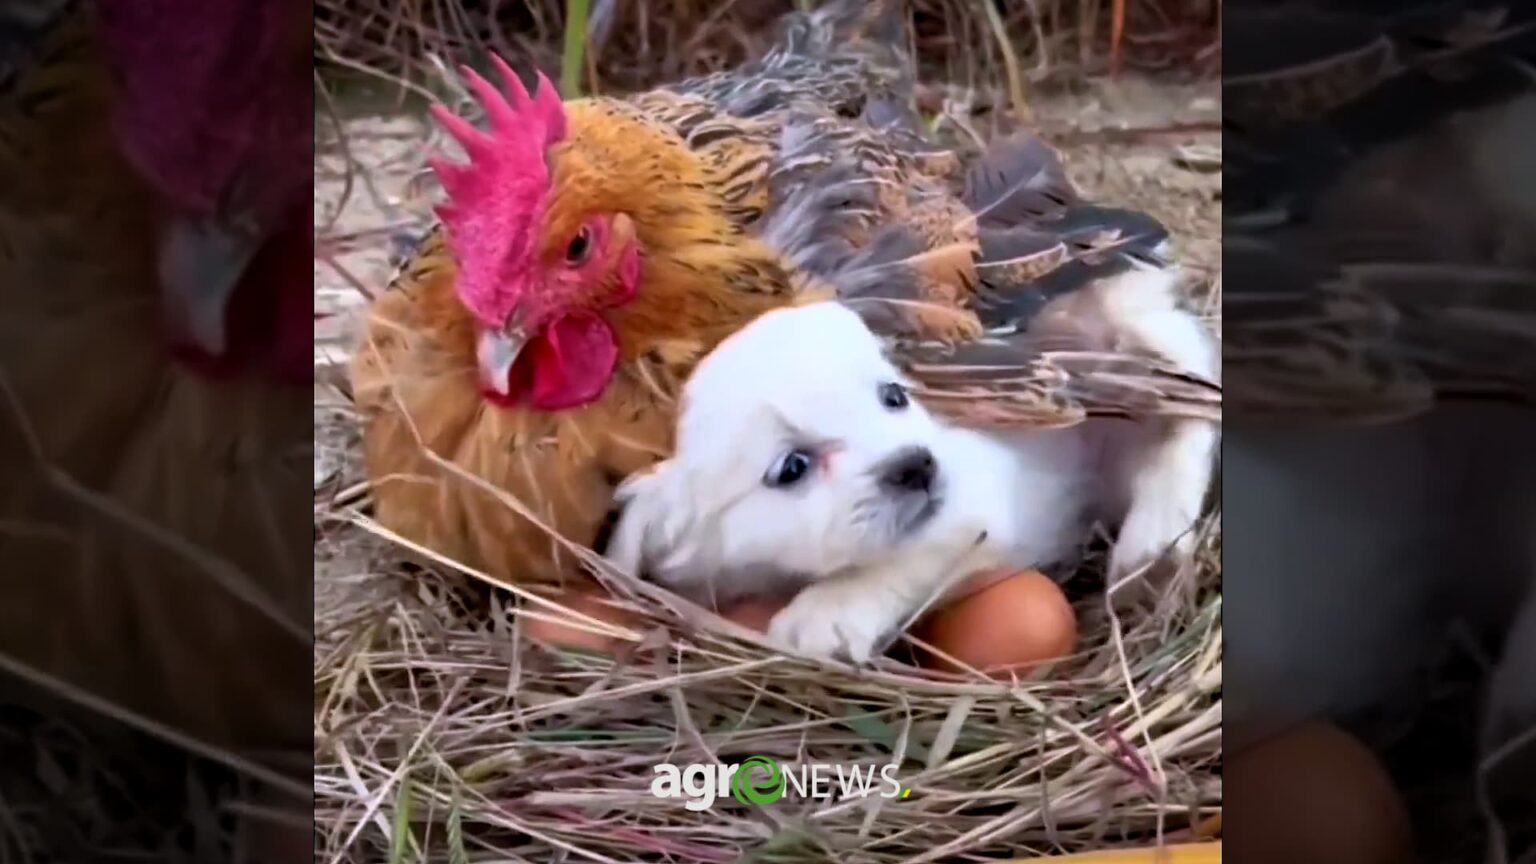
column 1017, row 179
column 1297, row 343
column 1469, row 330
column 956, row 272
column 1015, row 382
column 1363, row 285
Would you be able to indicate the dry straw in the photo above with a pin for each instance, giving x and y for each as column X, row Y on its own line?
column 443, row 735
column 454, row 721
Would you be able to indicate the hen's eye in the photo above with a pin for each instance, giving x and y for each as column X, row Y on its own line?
column 893, row 396
column 793, row 467
column 581, row 246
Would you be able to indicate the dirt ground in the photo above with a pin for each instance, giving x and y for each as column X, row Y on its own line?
column 1132, row 142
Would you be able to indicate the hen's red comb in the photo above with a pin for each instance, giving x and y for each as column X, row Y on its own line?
column 494, row 199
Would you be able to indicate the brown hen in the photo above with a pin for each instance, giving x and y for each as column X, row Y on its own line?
column 592, row 252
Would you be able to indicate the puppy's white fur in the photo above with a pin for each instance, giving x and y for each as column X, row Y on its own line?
column 706, row 523
column 1154, row 475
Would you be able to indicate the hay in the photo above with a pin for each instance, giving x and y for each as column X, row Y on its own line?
column 473, row 737
column 443, row 735
column 530, row 750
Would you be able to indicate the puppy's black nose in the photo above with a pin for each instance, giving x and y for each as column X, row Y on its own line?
column 911, row 470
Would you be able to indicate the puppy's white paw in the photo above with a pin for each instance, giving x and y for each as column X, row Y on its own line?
column 817, row 624
column 1166, row 490
column 1153, row 531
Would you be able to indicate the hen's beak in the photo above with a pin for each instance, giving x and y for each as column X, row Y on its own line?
column 497, row 350
column 201, row 263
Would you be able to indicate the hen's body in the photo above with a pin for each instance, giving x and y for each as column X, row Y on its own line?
column 147, row 562
column 793, row 177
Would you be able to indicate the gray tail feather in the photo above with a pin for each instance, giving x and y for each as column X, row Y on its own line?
column 836, row 24
column 880, row 284
column 810, row 226
column 1017, row 179
column 810, row 220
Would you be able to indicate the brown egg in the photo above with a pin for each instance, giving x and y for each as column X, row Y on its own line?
column 1016, row 622
column 1313, row 794
column 755, row 614
column 575, row 634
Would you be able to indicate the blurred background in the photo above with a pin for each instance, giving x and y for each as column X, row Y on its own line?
column 1379, row 497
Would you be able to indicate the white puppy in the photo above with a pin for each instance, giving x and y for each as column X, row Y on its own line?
column 801, row 458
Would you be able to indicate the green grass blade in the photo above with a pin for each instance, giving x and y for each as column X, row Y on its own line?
column 457, row 854
column 400, row 841
column 880, row 732
column 574, row 57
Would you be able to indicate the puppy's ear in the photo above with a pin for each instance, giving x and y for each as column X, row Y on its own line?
column 655, row 514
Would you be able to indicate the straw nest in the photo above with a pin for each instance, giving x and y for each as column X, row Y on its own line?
column 446, row 732
column 442, row 734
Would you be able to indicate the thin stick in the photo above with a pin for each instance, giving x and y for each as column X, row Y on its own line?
column 1116, row 36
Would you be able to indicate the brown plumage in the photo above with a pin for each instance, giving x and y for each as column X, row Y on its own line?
column 799, row 176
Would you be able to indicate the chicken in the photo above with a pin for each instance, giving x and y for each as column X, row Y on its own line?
column 591, row 252
column 155, row 318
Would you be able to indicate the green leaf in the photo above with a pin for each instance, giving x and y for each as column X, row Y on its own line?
column 401, row 841
column 790, row 841
column 881, row 733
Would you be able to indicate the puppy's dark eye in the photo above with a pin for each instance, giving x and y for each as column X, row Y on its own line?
column 893, row 396
column 581, row 246
column 793, row 467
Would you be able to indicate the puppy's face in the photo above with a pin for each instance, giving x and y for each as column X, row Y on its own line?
column 799, row 452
